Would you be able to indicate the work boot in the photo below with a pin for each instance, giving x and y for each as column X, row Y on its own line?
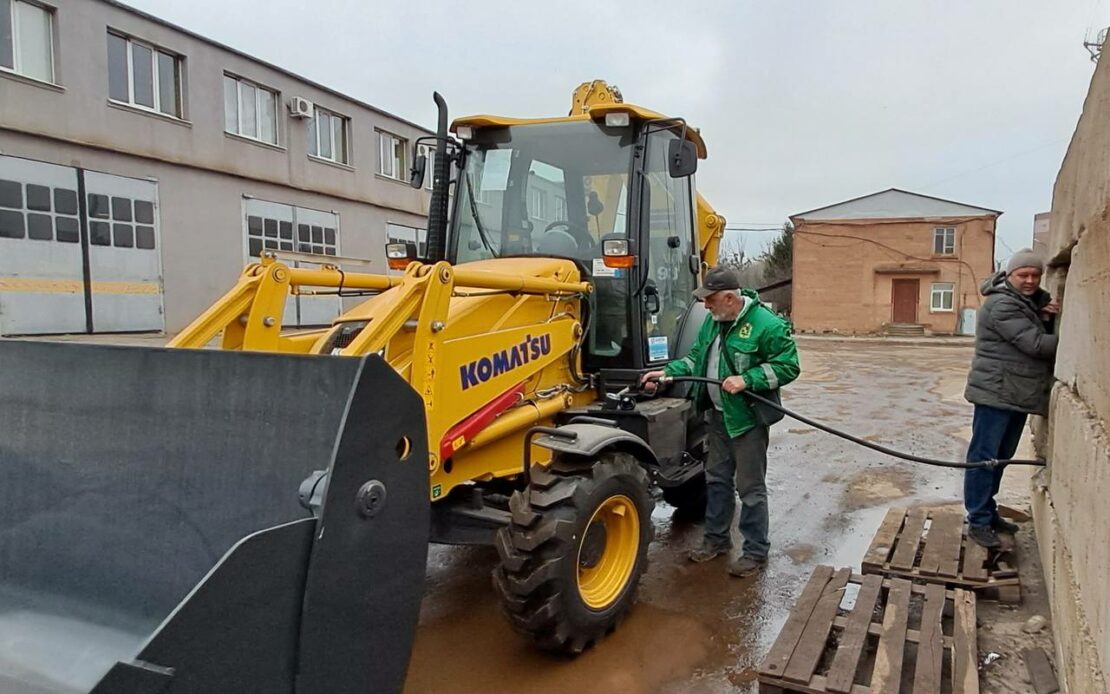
column 1002, row 525
column 746, row 565
column 984, row 535
column 708, row 551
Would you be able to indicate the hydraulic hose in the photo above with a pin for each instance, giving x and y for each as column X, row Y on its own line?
column 993, row 463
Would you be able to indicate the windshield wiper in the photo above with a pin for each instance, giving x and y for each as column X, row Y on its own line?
column 475, row 215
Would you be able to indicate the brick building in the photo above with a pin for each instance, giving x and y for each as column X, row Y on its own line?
column 891, row 261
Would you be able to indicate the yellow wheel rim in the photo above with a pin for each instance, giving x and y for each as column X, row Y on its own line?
column 607, row 552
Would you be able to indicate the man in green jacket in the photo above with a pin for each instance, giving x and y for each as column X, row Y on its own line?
column 748, row 347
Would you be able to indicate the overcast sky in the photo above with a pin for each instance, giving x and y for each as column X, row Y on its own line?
column 801, row 103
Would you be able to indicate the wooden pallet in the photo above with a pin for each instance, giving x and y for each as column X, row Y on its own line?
column 898, row 636
column 932, row 545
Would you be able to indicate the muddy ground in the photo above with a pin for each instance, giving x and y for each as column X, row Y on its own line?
column 696, row 629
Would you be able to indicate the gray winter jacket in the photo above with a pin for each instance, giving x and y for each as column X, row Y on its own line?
column 1014, row 352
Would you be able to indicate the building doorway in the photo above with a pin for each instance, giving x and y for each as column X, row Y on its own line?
column 903, row 300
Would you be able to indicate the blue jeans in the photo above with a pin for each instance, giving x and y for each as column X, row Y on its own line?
column 995, row 434
column 736, row 465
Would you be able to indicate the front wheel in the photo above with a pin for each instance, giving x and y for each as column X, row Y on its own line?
column 573, row 555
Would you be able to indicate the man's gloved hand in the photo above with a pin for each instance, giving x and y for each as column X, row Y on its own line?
column 649, row 380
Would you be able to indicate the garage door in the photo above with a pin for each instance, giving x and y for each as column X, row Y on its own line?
column 64, row 269
column 42, row 287
column 125, row 258
column 280, row 227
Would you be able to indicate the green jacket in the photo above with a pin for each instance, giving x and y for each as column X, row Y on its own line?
column 757, row 346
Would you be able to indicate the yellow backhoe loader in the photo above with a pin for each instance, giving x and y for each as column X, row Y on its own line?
column 559, row 264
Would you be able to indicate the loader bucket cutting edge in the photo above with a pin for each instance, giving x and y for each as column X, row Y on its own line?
column 151, row 536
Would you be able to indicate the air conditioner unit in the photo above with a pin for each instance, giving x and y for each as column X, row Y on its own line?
column 300, row 107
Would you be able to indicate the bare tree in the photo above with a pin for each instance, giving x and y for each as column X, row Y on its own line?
column 778, row 265
column 733, row 251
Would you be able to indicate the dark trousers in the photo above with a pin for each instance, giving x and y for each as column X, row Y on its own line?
column 736, row 465
column 995, row 434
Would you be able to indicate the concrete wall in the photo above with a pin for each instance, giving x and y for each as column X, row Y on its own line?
column 1071, row 498
column 843, row 284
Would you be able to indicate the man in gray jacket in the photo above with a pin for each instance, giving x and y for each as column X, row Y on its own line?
column 1010, row 378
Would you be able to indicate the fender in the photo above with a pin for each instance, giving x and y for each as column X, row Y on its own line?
column 587, row 439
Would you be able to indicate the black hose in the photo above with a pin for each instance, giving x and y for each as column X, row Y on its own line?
column 993, row 463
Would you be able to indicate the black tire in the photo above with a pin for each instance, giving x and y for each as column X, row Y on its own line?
column 538, row 575
column 688, row 498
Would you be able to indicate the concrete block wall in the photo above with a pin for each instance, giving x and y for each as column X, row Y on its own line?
column 1071, row 498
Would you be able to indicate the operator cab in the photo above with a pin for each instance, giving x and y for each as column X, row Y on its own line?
column 563, row 188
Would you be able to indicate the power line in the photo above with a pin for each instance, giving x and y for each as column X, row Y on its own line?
column 996, row 162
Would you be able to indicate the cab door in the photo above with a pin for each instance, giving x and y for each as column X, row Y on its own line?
column 668, row 268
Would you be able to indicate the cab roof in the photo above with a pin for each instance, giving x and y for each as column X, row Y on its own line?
column 595, row 112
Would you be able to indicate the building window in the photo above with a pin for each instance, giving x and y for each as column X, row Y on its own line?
column 250, row 110
column 27, row 39
column 429, row 152
column 537, row 203
column 273, row 234
column 38, row 212
column 560, row 208
column 328, row 136
column 144, row 76
column 391, row 155
column 941, row 296
column 944, row 240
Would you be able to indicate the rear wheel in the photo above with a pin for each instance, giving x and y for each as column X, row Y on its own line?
column 573, row 555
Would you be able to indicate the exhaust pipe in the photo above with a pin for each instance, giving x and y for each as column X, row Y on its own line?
column 441, row 168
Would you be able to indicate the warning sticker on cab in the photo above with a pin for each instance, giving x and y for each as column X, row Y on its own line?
column 658, row 348
column 600, row 269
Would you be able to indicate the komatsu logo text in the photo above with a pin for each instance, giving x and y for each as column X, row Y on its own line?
column 482, row 370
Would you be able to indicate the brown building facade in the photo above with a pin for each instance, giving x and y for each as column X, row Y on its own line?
column 892, row 258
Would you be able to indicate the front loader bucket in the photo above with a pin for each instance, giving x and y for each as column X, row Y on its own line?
column 152, row 539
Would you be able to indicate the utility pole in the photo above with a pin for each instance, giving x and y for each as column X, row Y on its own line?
column 1095, row 47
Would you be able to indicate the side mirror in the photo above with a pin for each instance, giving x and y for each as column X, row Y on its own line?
column 416, row 173
column 682, row 158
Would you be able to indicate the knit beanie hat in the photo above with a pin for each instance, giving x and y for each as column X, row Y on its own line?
column 1026, row 257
